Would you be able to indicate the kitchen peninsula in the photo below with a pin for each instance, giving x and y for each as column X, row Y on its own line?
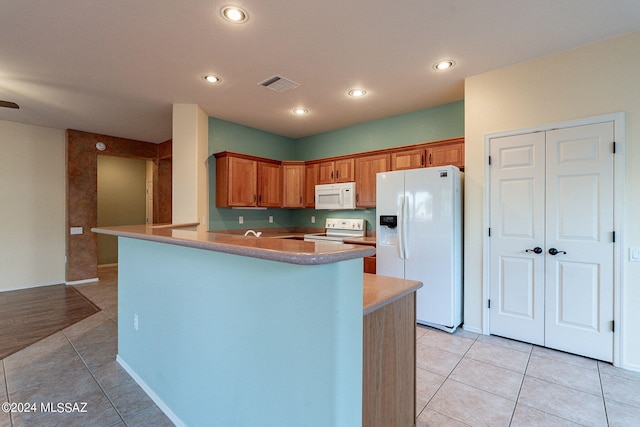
column 224, row 329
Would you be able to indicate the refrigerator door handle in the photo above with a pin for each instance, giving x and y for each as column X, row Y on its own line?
column 405, row 227
column 400, row 228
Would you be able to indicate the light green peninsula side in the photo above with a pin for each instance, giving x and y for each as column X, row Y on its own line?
column 241, row 331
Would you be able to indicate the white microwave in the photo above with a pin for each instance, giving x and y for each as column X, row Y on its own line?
column 336, row 196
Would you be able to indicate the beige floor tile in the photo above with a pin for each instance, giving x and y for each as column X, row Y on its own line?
column 149, row 417
column 573, row 376
column 460, row 332
column 436, row 360
column 561, row 356
column 564, row 402
column 420, row 330
column 95, row 339
column 129, row 399
column 429, row 418
column 620, row 415
column 500, row 356
column 608, row 368
column 99, row 412
column 504, row 342
column 621, row 389
column 427, row 383
column 499, row 381
column 471, row 405
column 525, row 416
column 446, row 341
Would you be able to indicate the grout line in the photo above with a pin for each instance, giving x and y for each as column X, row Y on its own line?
column 604, row 402
column 94, row 378
column 6, row 390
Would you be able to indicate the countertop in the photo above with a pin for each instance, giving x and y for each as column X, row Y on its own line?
column 283, row 250
column 382, row 290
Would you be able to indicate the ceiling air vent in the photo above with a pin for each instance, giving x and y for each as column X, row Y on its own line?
column 279, row 84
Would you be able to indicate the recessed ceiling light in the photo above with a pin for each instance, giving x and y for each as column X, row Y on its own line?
column 210, row 78
column 357, row 92
column 443, row 65
column 300, row 111
column 234, row 14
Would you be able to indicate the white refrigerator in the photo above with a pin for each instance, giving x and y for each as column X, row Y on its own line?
column 419, row 237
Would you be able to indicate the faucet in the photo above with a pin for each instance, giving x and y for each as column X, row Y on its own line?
column 258, row 234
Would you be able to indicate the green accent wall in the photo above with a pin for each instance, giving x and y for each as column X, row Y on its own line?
column 431, row 124
column 228, row 136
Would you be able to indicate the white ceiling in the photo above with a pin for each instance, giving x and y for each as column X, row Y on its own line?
column 116, row 67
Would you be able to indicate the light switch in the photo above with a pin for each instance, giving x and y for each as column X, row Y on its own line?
column 313, row 219
column 75, row 230
column 634, row 254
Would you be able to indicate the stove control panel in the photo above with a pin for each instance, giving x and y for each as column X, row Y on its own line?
column 345, row 224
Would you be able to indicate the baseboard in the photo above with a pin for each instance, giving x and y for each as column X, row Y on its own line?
column 37, row 285
column 115, row 264
column 156, row 399
column 80, row 282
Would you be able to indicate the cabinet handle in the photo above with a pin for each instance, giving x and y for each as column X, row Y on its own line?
column 331, row 174
column 254, row 198
column 337, row 174
column 421, row 159
column 430, row 160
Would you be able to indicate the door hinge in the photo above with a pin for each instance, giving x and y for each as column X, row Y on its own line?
column 614, row 147
column 489, row 231
column 613, row 326
column 488, row 303
column 614, row 237
column 489, row 160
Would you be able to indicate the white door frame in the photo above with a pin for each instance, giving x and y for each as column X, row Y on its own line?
column 618, row 120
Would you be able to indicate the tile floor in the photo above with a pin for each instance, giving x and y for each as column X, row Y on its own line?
column 466, row 379
column 462, row 379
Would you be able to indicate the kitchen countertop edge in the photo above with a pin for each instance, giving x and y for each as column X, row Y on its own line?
column 292, row 251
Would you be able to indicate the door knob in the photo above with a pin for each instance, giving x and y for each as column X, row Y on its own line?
column 536, row 250
column 554, row 251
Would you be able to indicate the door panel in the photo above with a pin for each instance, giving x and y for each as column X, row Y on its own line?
column 554, row 190
column 517, row 224
column 579, row 216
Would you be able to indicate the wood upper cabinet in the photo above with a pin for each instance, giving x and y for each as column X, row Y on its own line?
column 269, row 184
column 341, row 170
column 408, row 159
column 446, row 154
column 245, row 181
column 236, row 181
column 293, row 189
column 310, row 181
column 450, row 152
column 366, row 168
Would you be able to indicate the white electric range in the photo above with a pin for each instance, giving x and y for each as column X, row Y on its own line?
column 337, row 230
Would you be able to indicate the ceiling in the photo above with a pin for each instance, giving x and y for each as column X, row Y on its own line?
column 116, row 67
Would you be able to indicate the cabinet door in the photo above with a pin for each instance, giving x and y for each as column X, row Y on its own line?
column 293, row 185
column 344, row 170
column 241, row 184
column 269, row 185
column 326, row 172
column 310, row 181
column 408, row 159
column 366, row 169
column 449, row 154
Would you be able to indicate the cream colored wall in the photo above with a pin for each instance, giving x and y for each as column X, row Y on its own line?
column 594, row 80
column 189, row 156
column 32, row 206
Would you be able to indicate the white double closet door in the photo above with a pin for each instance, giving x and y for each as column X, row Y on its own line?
column 551, row 243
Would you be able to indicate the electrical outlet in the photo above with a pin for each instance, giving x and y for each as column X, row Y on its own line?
column 270, row 219
column 135, row 321
column 240, row 220
column 313, row 219
column 634, row 254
